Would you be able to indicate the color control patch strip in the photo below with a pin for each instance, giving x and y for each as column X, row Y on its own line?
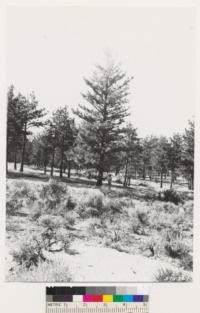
column 94, row 294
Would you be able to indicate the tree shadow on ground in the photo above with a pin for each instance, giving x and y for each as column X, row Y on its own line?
column 134, row 191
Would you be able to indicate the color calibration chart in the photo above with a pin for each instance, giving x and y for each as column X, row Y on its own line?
column 97, row 299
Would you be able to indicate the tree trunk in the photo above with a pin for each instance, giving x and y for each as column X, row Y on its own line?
column 52, row 162
column 15, row 157
column 61, row 163
column 126, row 172
column 101, row 170
column 69, row 169
column 191, row 181
column 23, row 150
column 45, row 168
column 161, row 179
column 135, row 176
column 100, row 178
column 144, row 172
column 172, row 180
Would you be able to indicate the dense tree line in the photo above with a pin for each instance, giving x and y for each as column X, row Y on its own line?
column 102, row 141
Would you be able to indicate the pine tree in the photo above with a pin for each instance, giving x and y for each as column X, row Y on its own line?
column 41, row 150
column 64, row 130
column 30, row 117
column 174, row 156
column 14, row 124
column 131, row 146
column 188, row 154
column 104, row 117
column 162, row 158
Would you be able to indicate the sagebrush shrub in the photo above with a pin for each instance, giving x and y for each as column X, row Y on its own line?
column 150, row 196
column 159, row 220
column 36, row 210
column 53, row 190
column 187, row 262
column 95, row 199
column 153, row 245
column 48, row 271
column 176, row 249
column 136, row 226
column 142, row 215
column 13, row 205
column 170, row 195
column 51, row 221
column 119, row 181
column 169, row 207
column 70, row 203
column 114, row 205
column 30, row 252
column 54, row 234
column 168, row 275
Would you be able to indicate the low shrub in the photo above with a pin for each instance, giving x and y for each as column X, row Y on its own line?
column 159, row 220
column 170, row 195
column 105, row 190
column 150, row 196
column 119, row 181
column 55, row 235
column 114, row 236
column 168, row 275
column 168, row 207
column 154, row 246
column 172, row 233
column 51, row 221
column 48, row 271
column 137, row 227
column 187, row 262
column 114, row 205
column 176, row 249
column 142, row 185
column 36, row 210
column 13, row 205
column 95, row 200
column 142, row 215
column 53, row 190
column 69, row 220
column 13, row 226
column 30, row 252
column 70, row 203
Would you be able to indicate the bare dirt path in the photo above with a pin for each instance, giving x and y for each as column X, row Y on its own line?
column 99, row 264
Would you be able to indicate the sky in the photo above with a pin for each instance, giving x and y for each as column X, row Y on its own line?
column 51, row 49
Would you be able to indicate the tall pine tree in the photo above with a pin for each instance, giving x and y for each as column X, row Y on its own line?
column 105, row 114
column 188, row 154
column 30, row 117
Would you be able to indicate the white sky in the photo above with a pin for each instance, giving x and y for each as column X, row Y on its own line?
column 50, row 49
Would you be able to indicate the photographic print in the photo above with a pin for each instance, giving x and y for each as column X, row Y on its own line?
column 100, row 144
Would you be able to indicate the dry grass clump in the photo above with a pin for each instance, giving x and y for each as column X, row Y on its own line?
column 168, row 275
column 48, row 271
column 176, row 248
column 153, row 246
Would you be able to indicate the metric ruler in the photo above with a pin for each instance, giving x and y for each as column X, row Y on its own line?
column 97, row 299
column 92, row 307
